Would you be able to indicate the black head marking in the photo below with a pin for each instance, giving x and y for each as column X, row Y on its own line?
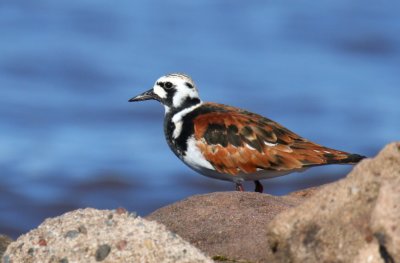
column 168, row 85
column 165, row 85
column 190, row 86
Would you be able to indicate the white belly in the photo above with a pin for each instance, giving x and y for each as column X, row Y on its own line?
column 240, row 177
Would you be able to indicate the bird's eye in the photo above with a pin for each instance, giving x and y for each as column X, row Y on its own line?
column 168, row 85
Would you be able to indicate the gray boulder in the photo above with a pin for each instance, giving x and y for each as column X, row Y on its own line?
column 90, row 235
column 228, row 225
column 356, row 219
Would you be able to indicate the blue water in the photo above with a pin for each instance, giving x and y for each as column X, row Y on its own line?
column 328, row 70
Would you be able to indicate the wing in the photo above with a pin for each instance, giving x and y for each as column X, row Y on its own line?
column 235, row 141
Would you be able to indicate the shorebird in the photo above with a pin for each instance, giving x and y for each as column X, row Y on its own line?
column 229, row 143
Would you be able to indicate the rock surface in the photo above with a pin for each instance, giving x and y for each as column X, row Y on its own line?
column 4, row 242
column 385, row 221
column 89, row 235
column 356, row 219
column 232, row 225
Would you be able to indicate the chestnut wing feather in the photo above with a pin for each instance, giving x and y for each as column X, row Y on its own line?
column 234, row 141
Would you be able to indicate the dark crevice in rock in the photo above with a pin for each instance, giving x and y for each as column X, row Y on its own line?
column 310, row 234
column 274, row 247
column 387, row 258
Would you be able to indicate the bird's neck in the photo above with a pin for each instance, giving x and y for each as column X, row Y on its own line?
column 186, row 104
column 176, row 126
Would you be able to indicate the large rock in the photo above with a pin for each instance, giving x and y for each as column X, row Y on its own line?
column 385, row 221
column 91, row 235
column 232, row 225
column 354, row 220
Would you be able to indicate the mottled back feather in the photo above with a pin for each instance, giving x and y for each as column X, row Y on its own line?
column 235, row 140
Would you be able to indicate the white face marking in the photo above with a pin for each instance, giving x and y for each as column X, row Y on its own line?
column 194, row 158
column 159, row 91
column 177, row 119
column 182, row 92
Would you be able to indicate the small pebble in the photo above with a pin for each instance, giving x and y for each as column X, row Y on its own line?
column 148, row 243
column 64, row 260
column 110, row 216
column 102, row 252
column 133, row 214
column 140, row 224
column 109, row 223
column 6, row 259
column 42, row 242
column 71, row 234
column 369, row 238
column 121, row 244
column 120, row 210
column 31, row 251
column 82, row 229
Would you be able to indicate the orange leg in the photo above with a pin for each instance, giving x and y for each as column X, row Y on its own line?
column 239, row 187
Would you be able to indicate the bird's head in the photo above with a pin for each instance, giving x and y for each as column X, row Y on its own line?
column 175, row 91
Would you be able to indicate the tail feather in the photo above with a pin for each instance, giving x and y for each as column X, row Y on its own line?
column 349, row 159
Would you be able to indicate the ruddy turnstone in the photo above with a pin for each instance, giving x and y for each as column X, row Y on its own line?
column 229, row 143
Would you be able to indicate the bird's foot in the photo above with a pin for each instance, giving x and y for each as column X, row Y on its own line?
column 239, row 187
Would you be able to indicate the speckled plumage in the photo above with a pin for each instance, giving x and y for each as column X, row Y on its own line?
column 229, row 143
column 235, row 141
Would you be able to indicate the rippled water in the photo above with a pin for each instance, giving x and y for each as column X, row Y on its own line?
column 328, row 70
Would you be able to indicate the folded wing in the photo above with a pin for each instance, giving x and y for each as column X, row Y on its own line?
column 235, row 141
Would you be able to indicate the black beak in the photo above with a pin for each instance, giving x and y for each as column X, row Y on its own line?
column 148, row 95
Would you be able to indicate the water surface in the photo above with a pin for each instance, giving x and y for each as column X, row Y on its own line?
column 69, row 138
